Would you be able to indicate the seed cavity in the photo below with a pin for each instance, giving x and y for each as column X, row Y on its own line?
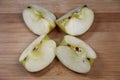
column 35, row 48
column 77, row 49
column 68, row 45
column 25, row 58
column 88, row 59
column 69, row 17
column 83, row 60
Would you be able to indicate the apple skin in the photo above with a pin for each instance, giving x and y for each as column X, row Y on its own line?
column 79, row 61
column 39, row 54
column 77, row 21
column 38, row 19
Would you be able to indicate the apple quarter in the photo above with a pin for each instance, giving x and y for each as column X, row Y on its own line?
column 75, row 54
column 39, row 54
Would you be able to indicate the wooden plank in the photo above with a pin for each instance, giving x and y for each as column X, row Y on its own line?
column 103, row 36
column 62, row 6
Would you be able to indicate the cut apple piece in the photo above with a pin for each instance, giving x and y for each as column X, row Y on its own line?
column 38, row 19
column 75, row 54
column 77, row 21
column 39, row 54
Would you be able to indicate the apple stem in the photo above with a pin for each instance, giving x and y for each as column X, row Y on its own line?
column 85, row 6
column 29, row 7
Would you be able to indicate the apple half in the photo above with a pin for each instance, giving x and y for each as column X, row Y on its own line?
column 39, row 54
column 77, row 21
column 38, row 19
column 75, row 54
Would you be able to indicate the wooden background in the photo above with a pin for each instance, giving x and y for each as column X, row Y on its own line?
column 103, row 36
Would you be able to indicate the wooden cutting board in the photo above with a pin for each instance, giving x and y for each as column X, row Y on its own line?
column 103, row 36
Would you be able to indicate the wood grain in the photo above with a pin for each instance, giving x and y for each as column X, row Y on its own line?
column 103, row 36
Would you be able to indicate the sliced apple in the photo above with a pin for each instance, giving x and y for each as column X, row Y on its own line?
column 38, row 19
column 75, row 54
column 77, row 21
column 39, row 54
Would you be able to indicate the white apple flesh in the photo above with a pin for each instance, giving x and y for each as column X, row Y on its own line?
column 77, row 21
column 75, row 54
column 39, row 54
column 38, row 19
